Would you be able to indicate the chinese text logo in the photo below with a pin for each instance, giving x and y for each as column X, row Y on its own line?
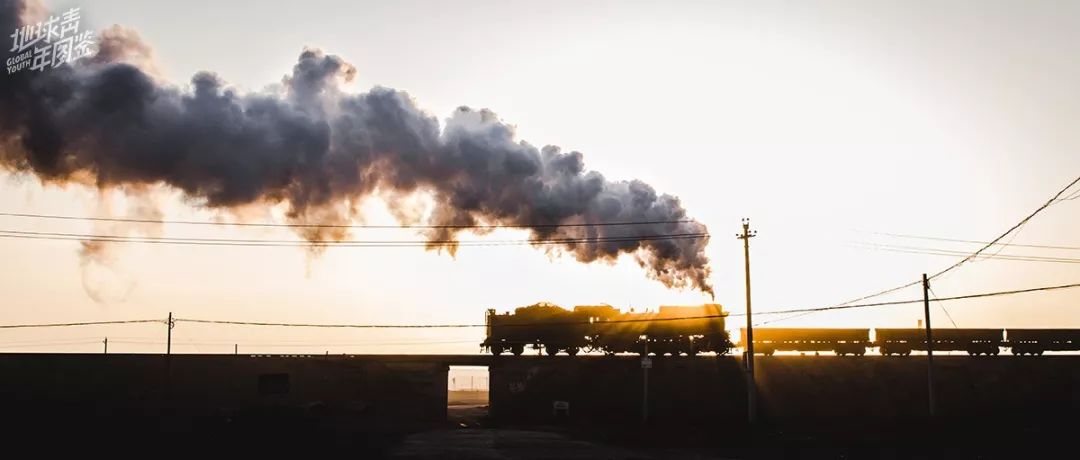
column 49, row 44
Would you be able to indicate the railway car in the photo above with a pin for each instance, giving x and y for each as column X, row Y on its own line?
column 840, row 341
column 973, row 341
column 1037, row 341
column 670, row 330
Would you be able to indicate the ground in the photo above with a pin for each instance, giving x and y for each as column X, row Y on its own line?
column 468, row 436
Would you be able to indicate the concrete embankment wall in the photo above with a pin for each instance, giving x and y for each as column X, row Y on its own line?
column 221, row 388
column 389, row 391
column 791, row 389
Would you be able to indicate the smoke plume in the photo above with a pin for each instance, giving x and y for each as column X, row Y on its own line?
column 108, row 121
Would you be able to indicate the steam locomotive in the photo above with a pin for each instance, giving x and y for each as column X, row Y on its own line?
column 671, row 330
column 902, row 342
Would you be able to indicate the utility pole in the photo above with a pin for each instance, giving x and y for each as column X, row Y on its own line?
column 168, row 338
column 236, row 349
column 929, row 346
column 106, row 346
column 751, row 385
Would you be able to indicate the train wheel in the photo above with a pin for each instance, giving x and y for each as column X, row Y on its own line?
column 496, row 350
column 517, row 350
column 572, row 351
column 551, row 350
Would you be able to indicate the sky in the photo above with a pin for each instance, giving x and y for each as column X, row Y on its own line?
column 826, row 123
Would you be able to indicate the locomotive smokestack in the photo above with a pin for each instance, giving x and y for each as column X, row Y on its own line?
column 108, row 121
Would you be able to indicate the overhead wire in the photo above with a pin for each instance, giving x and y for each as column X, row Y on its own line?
column 947, row 252
column 356, row 226
column 994, row 241
column 970, row 256
column 475, row 325
column 941, row 304
column 336, row 243
column 52, row 344
column 82, row 323
column 959, row 240
column 635, row 320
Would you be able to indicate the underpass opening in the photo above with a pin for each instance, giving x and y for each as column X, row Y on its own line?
column 467, row 389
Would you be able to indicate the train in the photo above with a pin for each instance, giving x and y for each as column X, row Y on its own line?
column 691, row 330
column 902, row 341
column 671, row 330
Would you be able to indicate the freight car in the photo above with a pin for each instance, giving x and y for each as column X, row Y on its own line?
column 1037, row 341
column 973, row 341
column 902, row 342
column 840, row 341
column 671, row 330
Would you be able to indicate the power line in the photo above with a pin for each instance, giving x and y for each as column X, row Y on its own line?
column 636, row 320
column 333, row 243
column 466, row 325
column 971, row 256
column 444, row 326
column 53, row 344
column 280, row 345
column 1071, row 197
column 994, row 241
column 84, row 323
column 797, row 312
column 942, row 305
column 50, row 341
column 957, row 240
column 280, row 225
column 879, row 293
column 913, row 301
column 777, row 320
column 946, row 252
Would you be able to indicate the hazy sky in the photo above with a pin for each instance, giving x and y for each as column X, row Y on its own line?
column 824, row 122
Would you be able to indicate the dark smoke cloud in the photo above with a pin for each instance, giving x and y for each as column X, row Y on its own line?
column 319, row 152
